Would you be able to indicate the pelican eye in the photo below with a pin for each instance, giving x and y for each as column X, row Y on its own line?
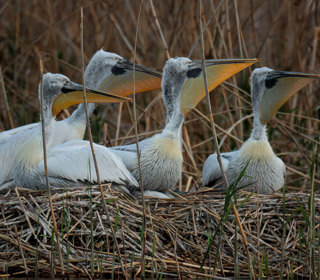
column 194, row 73
column 116, row 70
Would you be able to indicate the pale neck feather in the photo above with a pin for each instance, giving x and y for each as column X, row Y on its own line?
column 171, row 94
column 259, row 130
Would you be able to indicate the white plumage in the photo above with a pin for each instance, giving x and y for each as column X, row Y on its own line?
column 69, row 163
column 98, row 69
column 161, row 155
column 265, row 172
column 211, row 169
column 62, row 131
column 6, row 135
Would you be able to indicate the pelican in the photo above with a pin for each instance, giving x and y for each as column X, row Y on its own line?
column 264, row 171
column 106, row 71
column 70, row 163
column 182, row 89
column 6, row 135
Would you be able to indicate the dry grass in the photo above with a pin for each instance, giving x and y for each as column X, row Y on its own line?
column 284, row 35
column 177, row 234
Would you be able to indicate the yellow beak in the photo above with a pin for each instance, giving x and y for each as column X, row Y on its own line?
column 72, row 94
column 218, row 70
column 120, row 82
column 280, row 86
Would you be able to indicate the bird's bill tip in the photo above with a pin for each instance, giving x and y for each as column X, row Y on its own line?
column 217, row 72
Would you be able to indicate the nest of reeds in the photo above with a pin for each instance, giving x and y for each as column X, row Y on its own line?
column 184, row 237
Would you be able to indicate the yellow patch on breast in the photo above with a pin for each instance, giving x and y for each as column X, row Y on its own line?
column 169, row 147
column 79, row 130
column 256, row 150
column 30, row 154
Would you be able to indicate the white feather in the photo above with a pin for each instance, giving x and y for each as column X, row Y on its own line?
column 211, row 169
column 161, row 161
column 6, row 135
column 6, row 186
column 62, row 131
column 264, row 171
column 99, row 68
column 128, row 153
column 155, row 194
column 73, row 160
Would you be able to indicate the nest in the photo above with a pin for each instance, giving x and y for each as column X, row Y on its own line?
column 176, row 233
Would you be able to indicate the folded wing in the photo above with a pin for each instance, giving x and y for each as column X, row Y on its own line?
column 211, row 172
column 73, row 160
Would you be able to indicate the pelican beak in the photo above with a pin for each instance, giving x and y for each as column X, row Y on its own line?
column 280, row 86
column 72, row 94
column 218, row 70
column 120, row 82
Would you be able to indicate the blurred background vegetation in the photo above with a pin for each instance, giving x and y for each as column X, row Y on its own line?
column 284, row 35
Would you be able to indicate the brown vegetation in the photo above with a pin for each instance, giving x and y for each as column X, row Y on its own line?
column 284, row 35
column 177, row 235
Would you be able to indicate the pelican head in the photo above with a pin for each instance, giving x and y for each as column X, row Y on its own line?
column 100, row 67
column 112, row 73
column 52, row 87
column 175, row 72
column 217, row 70
column 189, row 72
column 178, row 66
column 60, row 93
column 270, row 89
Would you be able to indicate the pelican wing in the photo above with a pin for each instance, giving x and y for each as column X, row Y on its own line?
column 7, row 186
column 129, row 158
column 128, row 153
column 62, row 132
column 133, row 147
column 9, row 148
column 73, row 160
column 211, row 171
column 6, row 135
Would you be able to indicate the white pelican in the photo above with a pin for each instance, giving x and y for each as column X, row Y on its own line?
column 182, row 89
column 70, row 163
column 265, row 172
column 107, row 71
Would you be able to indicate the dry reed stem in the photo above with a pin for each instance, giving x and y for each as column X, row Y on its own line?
column 44, row 143
column 21, row 250
column 135, row 124
column 92, row 147
column 119, row 122
column 159, row 30
column 185, row 220
column 5, row 100
column 234, row 209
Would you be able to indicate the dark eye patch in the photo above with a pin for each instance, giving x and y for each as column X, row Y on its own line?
column 270, row 82
column 194, row 73
column 66, row 90
column 117, row 70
